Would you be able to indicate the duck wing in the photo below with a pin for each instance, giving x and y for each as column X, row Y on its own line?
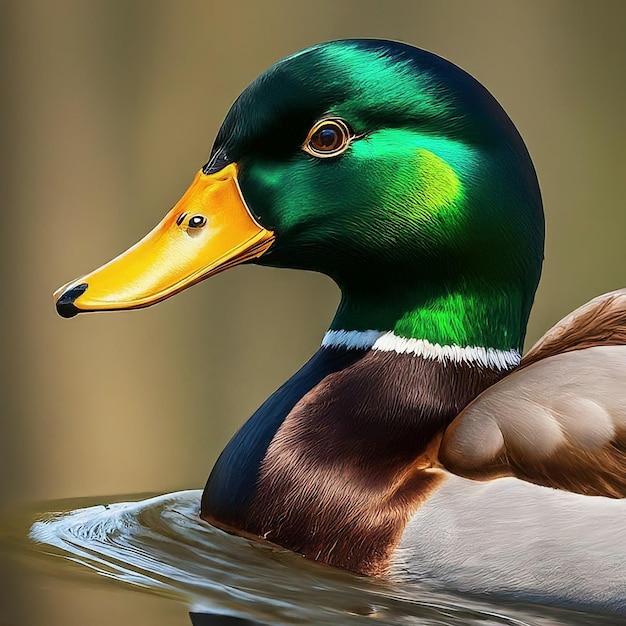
column 559, row 420
column 600, row 322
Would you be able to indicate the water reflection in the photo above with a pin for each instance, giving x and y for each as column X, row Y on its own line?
column 161, row 545
column 206, row 619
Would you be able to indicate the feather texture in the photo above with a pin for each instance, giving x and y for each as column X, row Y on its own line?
column 600, row 322
column 560, row 422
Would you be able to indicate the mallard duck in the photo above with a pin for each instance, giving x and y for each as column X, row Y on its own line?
column 416, row 443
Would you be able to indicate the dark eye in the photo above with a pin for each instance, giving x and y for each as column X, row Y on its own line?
column 328, row 138
column 197, row 221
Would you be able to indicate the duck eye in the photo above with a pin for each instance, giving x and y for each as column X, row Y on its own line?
column 328, row 138
column 197, row 221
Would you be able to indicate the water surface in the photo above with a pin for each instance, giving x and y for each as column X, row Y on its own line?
column 160, row 545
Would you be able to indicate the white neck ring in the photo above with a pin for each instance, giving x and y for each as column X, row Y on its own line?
column 386, row 341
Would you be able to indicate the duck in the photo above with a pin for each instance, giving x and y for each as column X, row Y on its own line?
column 417, row 443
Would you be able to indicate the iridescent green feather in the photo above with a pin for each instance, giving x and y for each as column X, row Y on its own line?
column 431, row 222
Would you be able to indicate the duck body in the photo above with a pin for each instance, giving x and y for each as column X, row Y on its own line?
column 513, row 539
column 416, row 443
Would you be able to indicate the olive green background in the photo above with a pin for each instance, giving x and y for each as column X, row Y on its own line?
column 110, row 107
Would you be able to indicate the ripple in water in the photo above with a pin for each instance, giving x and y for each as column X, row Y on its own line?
column 161, row 545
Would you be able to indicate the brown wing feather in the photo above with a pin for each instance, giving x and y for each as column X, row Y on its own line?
column 559, row 422
column 600, row 322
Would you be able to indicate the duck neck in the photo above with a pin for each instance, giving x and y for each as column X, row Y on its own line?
column 334, row 463
column 462, row 317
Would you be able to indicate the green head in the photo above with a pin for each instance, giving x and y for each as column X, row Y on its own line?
column 429, row 220
column 383, row 166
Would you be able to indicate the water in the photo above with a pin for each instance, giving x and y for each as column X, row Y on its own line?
column 160, row 545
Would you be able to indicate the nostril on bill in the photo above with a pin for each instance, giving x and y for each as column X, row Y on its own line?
column 65, row 303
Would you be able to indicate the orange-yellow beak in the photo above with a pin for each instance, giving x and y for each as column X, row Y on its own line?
column 209, row 230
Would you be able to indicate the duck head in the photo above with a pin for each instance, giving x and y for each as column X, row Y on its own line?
column 383, row 166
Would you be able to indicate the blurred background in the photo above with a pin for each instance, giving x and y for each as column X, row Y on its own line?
column 110, row 107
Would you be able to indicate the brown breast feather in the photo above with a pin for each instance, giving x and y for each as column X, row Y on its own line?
column 355, row 457
column 560, row 419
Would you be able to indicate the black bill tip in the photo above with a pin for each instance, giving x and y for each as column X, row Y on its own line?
column 65, row 303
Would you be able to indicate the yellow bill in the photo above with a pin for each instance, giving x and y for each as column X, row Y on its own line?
column 209, row 230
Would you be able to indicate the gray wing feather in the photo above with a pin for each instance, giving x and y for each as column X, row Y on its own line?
column 559, row 422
